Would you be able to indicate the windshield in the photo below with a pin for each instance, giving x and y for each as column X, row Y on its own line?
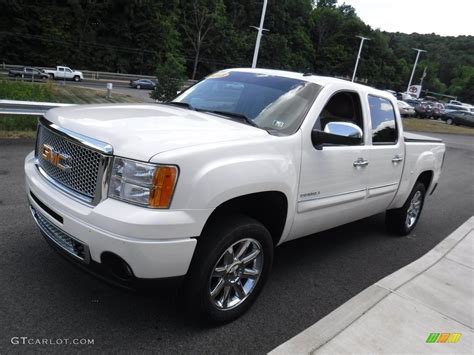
column 271, row 102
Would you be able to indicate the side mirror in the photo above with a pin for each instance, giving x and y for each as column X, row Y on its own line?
column 343, row 133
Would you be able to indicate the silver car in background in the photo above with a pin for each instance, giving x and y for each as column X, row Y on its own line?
column 405, row 109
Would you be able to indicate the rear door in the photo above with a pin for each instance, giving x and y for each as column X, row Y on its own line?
column 60, row 72
column 387, row 153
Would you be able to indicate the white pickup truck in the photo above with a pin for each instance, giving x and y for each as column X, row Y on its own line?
column 64, row 73
column 206, row 186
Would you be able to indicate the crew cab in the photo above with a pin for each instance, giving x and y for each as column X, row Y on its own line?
column 64, row 73
column 206, row 186
column 28, row 73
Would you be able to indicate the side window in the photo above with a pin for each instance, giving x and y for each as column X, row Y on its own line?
column 61, row 69
column 341, row 107
column 384, row 124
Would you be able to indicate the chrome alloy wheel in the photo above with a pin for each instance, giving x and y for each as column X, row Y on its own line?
column 413, row 210
column 236, row 274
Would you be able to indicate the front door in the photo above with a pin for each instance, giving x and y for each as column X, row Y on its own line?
column 333, row 180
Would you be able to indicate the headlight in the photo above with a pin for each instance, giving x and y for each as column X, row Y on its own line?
column 144, row 184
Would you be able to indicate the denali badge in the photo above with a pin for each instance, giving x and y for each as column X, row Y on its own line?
column 57, row 159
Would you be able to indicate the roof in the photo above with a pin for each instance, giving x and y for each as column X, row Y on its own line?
column 317, row 79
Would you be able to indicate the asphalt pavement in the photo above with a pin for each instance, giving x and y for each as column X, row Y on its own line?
column 42, row 296
column 433, row 293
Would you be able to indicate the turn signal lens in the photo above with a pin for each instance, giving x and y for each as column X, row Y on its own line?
column 164, row 181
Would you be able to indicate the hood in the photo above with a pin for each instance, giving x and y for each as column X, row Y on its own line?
column 140, row 131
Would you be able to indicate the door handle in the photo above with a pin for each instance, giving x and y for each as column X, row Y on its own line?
column 360, row 162
column 397, row 159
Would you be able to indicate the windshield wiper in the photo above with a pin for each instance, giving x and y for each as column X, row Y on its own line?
column 243, row 117
column 180, row 104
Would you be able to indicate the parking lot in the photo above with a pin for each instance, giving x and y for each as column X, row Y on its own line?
column 45, row 297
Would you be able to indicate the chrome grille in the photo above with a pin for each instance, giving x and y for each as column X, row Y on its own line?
column 86, row 161
column 60, row 238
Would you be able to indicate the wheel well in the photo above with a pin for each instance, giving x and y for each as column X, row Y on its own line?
column 425, row 178
column 269, row 208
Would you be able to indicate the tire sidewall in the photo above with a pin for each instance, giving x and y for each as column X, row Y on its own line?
column 217, row 240
column 418, row 187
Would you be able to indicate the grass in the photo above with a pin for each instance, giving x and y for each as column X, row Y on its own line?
column 12, row 126
column 433, row 126
column 18, row 133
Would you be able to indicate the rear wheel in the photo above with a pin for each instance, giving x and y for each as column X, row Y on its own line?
column 229, row 269
column 449, row 121
column 138, row 87
column 403, row 220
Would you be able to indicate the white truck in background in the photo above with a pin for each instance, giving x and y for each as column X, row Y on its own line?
column 64, row 73
column 206, row 186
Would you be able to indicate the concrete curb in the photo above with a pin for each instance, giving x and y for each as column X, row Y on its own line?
column 334, row 323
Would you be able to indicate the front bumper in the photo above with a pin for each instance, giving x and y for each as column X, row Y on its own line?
column 154, row 243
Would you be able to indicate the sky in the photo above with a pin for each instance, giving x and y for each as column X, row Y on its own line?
column 443, row 17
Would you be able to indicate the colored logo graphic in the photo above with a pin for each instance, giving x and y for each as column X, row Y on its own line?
column 443, row 337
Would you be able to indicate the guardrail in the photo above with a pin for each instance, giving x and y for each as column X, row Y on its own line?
column 30, row 108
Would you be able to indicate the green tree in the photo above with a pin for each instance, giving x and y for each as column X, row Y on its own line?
column 170, row 74
column 202, row 20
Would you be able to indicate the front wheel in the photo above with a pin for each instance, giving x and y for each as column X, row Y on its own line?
column 404, row 219
column 449, row 121
column 229, row 269
column 77, row 78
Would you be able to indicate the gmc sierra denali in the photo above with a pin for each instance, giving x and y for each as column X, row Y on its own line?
column 207, row 185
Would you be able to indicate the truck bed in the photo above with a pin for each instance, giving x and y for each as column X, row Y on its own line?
column 413, row 137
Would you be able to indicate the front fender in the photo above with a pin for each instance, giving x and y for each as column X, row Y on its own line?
column 220, row 180
column 212, row 174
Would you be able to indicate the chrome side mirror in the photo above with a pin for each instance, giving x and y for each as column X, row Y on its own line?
column 345, row 129
column 337, row 133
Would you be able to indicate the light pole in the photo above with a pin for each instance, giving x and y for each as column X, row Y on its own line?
column 414, row 66
column 362, row 39
column 259, row 34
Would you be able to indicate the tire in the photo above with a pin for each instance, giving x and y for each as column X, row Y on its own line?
column 138, row 87
column 76, row 78
column 449, row 121
column 403, row 220
column 51, row 76
column 215, row 269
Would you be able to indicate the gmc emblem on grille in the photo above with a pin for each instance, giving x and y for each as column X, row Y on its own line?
column 56, row 158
